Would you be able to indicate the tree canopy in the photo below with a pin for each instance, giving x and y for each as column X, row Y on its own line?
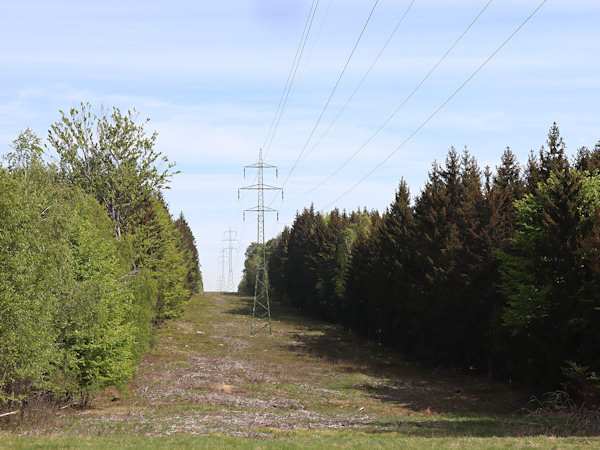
column 90, row 258
column 495, row 272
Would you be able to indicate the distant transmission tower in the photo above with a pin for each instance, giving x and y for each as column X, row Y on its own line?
column 221, row 287
column 262, row 317
column 230, row 248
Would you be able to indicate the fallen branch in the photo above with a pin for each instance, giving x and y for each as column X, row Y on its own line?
column 8, row 413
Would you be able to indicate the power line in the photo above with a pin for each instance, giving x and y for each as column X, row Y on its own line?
column 291, row 76
column 360, row 83
column 314, row 43
column 332, row 93
column 406, row 99
column 282, row 103
column 440, row 107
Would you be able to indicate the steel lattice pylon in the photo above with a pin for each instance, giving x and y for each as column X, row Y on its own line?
column 221, row 280
column 262, row 318
column 230, row 248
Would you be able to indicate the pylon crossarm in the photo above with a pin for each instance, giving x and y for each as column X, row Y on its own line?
column 264, row 209
column 253, row 187
column 260, row 165
column 256, row 187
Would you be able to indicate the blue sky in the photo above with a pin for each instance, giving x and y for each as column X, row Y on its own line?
column 210, row 76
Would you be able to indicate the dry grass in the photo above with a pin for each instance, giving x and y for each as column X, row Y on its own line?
column 207, row 376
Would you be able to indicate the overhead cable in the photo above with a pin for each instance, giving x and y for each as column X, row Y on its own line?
column 331, row 95
column 358, row 86
column 434, row 113
column 291, row 76
column 406, row 99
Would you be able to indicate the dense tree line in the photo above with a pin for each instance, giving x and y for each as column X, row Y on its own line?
column 251, row 257
column 494, row 272
column 90, row 258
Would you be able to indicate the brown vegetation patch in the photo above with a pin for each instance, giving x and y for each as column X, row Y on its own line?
column 225, row 388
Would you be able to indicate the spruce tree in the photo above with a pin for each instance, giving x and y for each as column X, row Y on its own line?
column 393, row 271
column 532, row 174
column 586, row 159
column 553, row 159
column 188, row 246
column 360, row 284
column 435, row 246
column 301, row 276
column 277, row 264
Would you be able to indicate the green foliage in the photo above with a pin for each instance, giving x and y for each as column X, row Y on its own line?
column 145, row 294
column 276, row 265
column 549, row 277
column 77, row 305
column 253, row 255
column 110, row 157
column 167, row 262
column 588, row 160
column 308, row 263
column 96, row 333
column 187, row 244
column 30, row 270
column 300, row 273
column 64, row 309
column 487, row 272
column 27, row 152
column 246, row 285
column 583, row 381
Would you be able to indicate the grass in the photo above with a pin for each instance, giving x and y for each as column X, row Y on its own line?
column 207, row 383
column 301, row 440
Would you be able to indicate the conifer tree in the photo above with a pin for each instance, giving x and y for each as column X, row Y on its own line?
column 302, row 278
column 586, row 159
column 327, row 231
column 393, row 272
column 360, row 284
column 188, row 246
column 532, row 173
column 553, row 159
column 498, row 272
column 435, row 210
column 508, row 174
column 277, row 264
